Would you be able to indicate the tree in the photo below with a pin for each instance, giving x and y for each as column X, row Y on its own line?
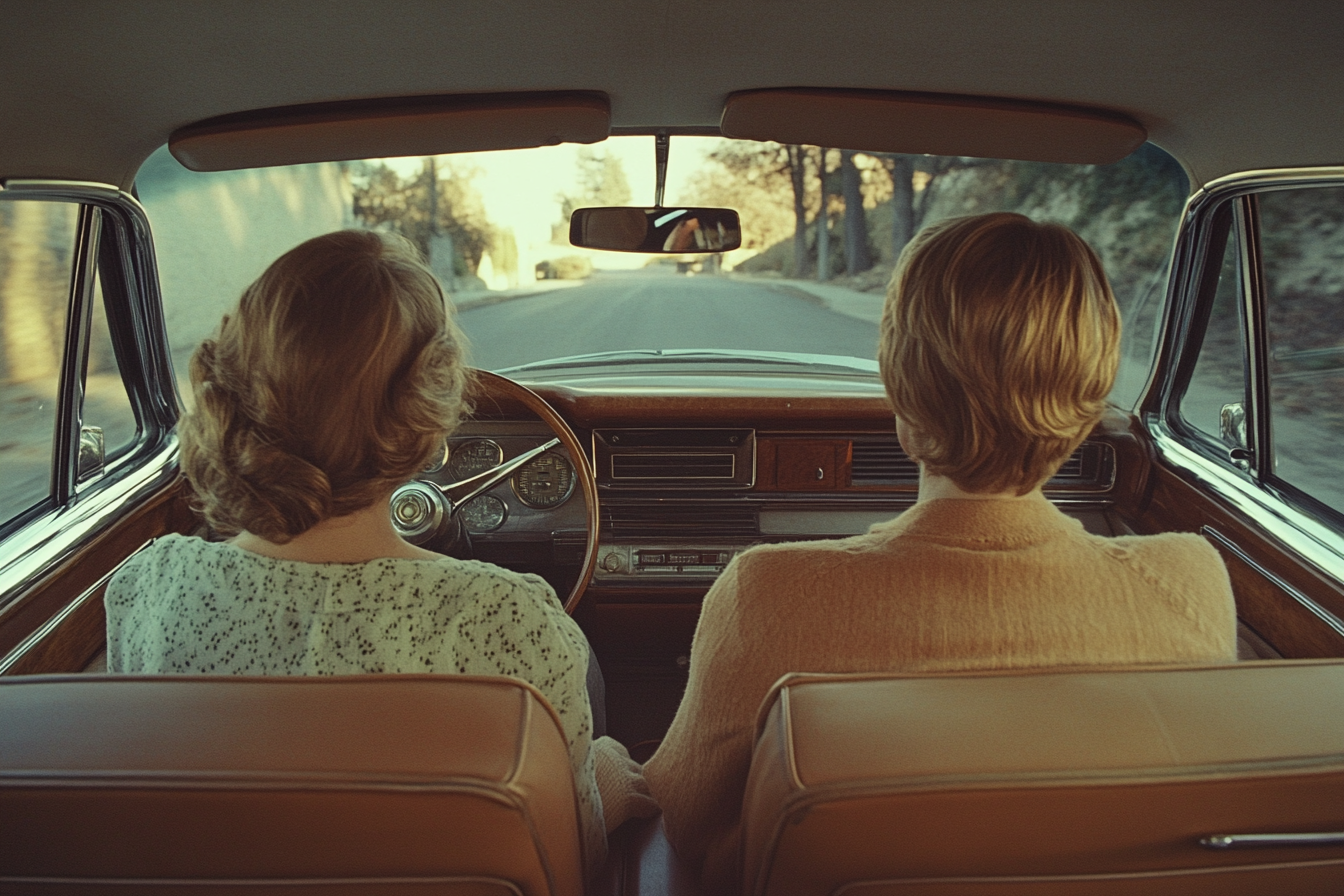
column 601, row 180
column 901, row 168
column 750, row 179
column 798, row 156
column 857, row 256
column 437, row 199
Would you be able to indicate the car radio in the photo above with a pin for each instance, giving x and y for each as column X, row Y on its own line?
column 683, row 562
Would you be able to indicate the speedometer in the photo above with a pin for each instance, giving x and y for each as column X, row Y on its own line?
column 476, row 456
column 544, row 482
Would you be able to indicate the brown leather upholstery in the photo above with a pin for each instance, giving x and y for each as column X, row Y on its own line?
column 1079, row 782
column 388, row 784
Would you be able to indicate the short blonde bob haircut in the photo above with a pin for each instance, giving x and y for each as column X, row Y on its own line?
column 335, row 380
column 999, row 343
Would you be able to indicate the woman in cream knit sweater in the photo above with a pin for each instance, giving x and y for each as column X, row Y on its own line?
column 999, row 344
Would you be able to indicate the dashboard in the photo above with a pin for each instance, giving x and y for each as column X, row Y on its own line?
column 683, row 490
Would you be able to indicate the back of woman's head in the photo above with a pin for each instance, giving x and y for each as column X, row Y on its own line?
column 999, row 343
column 336, row 379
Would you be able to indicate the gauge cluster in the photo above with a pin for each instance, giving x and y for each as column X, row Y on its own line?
column 536, row 498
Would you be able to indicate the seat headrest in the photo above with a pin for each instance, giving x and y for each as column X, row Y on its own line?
column 396, row 781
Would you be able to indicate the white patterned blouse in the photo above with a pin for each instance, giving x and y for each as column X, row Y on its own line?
column 186, row 605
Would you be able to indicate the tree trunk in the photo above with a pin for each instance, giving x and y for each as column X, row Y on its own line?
column 902, row 204
column 857, row 256
column 823, row 231
column 798, row 177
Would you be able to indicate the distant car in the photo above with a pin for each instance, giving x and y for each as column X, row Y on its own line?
column 569, row 267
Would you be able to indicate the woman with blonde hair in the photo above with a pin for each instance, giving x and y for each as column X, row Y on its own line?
column 337, row 378
column 999, row 343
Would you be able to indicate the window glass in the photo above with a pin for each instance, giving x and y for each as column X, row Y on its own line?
column 1215, row 400
column 821, row 232
column 1302, row 240
column 106, row 404
column 37, row 241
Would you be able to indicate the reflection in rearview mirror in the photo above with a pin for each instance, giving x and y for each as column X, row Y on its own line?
column 672, row 231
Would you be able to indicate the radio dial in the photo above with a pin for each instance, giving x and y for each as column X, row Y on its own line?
column 612, row 562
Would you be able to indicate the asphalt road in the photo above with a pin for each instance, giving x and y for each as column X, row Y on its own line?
column 659, row 309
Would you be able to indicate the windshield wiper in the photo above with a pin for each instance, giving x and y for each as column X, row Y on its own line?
column 693, row 355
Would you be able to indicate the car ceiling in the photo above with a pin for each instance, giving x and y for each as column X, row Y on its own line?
column 89, row 89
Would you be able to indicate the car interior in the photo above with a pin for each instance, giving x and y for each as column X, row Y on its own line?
column 168, row 151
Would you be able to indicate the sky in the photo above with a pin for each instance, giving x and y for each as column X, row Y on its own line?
column 520, row 189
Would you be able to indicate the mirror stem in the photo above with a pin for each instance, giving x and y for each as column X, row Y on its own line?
column 661, row 140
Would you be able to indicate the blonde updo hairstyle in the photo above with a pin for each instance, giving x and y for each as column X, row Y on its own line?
column 999, row 343
column 336, row 379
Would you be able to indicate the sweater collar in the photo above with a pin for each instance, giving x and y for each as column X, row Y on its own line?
column 983, row 523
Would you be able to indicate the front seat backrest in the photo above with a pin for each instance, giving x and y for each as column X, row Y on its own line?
column 390, row 784
column 1069, row 782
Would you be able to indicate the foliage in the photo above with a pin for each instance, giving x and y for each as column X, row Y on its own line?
column 382, row 198
column 601, row 180
column 752, row 178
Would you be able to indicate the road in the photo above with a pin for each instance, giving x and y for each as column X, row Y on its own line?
column 655, row 308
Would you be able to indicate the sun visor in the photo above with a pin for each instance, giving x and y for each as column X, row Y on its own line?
column 938, row 124
column 385, row 128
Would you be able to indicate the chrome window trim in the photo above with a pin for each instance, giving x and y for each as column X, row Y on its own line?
column 43, row 541
column 44, row 544
column 1257, row 504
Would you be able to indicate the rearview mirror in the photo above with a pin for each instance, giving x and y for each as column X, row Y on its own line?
column 671, row 231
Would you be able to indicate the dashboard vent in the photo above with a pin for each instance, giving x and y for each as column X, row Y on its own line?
column 1093, row 464
column 882, row 462
column 625, row 467
column 673, row 520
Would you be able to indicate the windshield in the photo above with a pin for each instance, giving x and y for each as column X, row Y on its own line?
column 820, row 231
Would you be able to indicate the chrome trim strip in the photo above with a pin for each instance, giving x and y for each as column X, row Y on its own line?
column 1253, row 841
column 1317, row 610
column 44, row 544
column 83, row 189
column 1260, row 506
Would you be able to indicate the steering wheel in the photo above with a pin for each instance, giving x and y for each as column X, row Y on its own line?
column 423, row 510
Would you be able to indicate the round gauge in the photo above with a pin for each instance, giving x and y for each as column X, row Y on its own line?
column 439, row 460
column 483, row 513
column 477, row 456
column 544, row 482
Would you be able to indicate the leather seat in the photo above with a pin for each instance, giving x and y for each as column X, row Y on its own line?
column 389, row 784
column 1099, row 781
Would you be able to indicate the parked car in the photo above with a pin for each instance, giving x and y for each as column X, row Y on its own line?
column 1198, row 146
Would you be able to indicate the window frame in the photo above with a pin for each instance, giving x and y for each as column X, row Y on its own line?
column 113, row 241
column 1299, row 522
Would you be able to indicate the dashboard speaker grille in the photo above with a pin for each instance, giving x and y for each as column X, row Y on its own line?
column 672, row 520
column 652, row 466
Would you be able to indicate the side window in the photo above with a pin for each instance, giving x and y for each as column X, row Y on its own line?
column 1302, row 244
column 107, row 412
column 37, row 246
column 1215, row 401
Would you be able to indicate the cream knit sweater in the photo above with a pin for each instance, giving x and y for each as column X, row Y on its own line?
column 950, row 584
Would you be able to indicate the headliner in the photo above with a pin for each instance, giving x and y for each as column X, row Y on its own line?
column 90, row 89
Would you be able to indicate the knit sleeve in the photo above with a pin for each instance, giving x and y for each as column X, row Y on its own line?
column 699, row 773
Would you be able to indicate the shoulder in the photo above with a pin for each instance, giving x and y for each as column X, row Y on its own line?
column 806, row 554
column 166, row 556
column 479, row 580
column 1181, row 560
